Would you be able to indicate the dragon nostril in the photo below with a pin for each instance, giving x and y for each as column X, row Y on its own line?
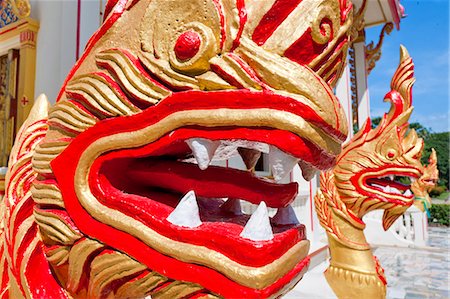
column 187, row 45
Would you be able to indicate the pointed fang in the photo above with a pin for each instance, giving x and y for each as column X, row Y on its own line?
column 258, row 226
column 186, row 213
column 203, row 150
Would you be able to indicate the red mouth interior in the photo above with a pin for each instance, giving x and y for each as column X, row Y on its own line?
column 396, row 187
column 147, row 183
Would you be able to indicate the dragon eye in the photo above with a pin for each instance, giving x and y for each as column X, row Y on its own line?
column 192, row 48
column 187, row 45
column 391, row 154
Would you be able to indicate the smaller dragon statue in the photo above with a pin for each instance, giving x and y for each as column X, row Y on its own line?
column 365, row 179
column 425, row 183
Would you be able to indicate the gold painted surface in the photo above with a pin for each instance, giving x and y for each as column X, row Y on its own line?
column 14, row 230
column 425, row 183
column 149, row 39
column 345, row 197
column 21, row 8
column 373, row 52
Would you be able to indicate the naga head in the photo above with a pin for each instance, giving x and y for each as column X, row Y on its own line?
column 126, row 200
column 429, row 178
column 368, row 170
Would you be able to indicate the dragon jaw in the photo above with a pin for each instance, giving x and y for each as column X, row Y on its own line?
column 132, row 106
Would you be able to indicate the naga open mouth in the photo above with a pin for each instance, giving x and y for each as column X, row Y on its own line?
column 143, row 184
column 392, row 184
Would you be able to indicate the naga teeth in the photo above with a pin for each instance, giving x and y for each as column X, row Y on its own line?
column 285, row 216
column 203, row 150
column 407, row 193
column 391, row 177
column 258, row 226
column 249, row 156
column 281, row 163
column 308, row 171
column 186, row 213
column 232, row 206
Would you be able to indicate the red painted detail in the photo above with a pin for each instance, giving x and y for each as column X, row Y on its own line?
column 66, row 163
column 216, row 233
column 279, row 11
column 223, row 33
column 176, row 269
column 10, row 29
column 406, row 171
column 24, row 100
column 187, row 45
column 41, row 282
column 304, row 50
column 242, row 13
column 346, row 8
column 136, row 62
column 77, row 44
column 226, row 76
column 119, row 8
column 248, row 70
column 109, row 7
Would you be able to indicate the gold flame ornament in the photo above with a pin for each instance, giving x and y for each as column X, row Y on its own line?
column 364, row 179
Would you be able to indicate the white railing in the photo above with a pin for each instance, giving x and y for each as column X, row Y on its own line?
column 408, row 230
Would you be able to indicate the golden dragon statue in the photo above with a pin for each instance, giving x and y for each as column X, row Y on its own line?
column 110, row 192
column 365, row 178
column 425, row 183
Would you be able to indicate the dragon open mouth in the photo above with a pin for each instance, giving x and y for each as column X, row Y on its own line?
column 135, row 177
column 392, row 184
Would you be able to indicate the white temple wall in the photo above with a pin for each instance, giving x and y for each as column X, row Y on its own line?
column 62, row 31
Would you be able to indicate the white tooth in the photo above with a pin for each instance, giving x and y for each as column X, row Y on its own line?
column 258, row 226
column 407, row 193
column 387, row 189
column 391, row 177
column 412, row 180
column 396, row 191
column 281, row 163
column 186, row 213
column 233, row 206
column 203, row 150
column 285, row 216
column 378, row 186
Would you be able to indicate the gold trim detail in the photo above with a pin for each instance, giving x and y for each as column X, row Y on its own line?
column 345, row 195
column 373, row 53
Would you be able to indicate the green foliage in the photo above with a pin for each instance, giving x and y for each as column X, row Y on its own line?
column 440, row 142
column 436, row 191
column 441, row 213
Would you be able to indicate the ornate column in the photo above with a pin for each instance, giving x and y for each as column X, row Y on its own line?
column 361, row 100
column 27, row 69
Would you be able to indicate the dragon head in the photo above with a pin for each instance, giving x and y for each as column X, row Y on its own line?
column 429, row 179
column 368, row 169
column 164, row 88
column 425, row 183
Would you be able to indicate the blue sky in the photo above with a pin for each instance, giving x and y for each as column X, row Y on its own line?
column 425, row 33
